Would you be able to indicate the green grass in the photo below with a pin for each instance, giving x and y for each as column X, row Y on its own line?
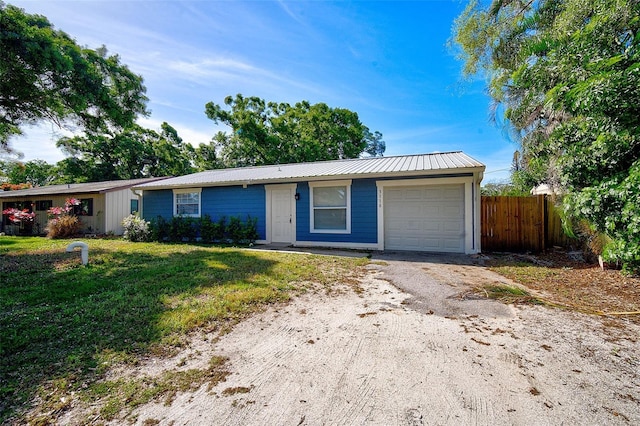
column 63, row 325
column 510, row 294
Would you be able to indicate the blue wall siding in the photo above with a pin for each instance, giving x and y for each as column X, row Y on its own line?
column 236, row 201
column 216, row 202
column 157, row 203
column 364, row 215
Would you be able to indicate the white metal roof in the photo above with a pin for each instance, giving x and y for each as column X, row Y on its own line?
column 77, row 188
column 404, row 165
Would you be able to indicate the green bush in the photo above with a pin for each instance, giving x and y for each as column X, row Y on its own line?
column 613, row 208
column 183, row 229
column 159, row 229
column 211, row 231
column 205, row 229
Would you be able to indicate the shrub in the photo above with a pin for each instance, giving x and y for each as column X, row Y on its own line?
column 211, row 231
column 242, row 233
column 185, row 229
column 64, row 226
column 136, row 229
column 159, row 229
column 234, row 230
column 251, row 230
column 62, row 222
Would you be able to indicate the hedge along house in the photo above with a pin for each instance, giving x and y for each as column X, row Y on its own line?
column 426, row 202
column 102, row 207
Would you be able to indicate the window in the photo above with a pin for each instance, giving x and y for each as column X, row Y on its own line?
column 186, row 202
column 331, row 207
column 44, row 205
column 85, row 208
column 134, row 206
column 20, row 205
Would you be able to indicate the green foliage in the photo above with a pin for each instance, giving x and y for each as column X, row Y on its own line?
column 34, row 172
column 135, row 228
column 242, row 232
column 131, row 153
column 212, row 231
column 275, row 133
column 568, row 75
column 612, row 208
column 159, row 229
column 46, row 75
column 494, row 189
column 183, row 229
column 234, row 229
column 204, row 229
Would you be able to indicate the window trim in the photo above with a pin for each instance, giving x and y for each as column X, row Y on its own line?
column 312, row 208
column 43, row 205
column 187, row 191
column 135, row 210
column 79, row 209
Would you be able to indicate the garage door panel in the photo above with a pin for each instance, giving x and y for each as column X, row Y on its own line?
column 454, row 228
column 429, row 226
column 453, row 245
column 451, row 193
column 452, row 211
column 393, row 194
column 431, row 211
column 432, row 194
column 424, row 218
column 430, row 244
column 413, row 194
column 414, row 225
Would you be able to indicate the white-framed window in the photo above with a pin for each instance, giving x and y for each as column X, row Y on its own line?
column 330, row 206
column 186, row 202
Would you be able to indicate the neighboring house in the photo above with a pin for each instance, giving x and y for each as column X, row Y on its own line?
column 102, row 207
column 426, row 202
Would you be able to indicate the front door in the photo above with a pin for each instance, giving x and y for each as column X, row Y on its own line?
column 282, row 214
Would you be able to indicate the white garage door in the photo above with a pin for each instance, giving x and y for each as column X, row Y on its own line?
column 424, row 218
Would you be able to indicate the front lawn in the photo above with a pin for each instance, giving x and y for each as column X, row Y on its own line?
column 64, row 325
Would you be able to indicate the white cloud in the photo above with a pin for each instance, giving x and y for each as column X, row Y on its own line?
column 39, row 142
column 211, row 68
column 185, row 131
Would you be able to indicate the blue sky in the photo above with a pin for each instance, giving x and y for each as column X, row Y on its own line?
column 386, row 60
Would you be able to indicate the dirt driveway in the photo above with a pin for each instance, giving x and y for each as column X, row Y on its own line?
column 416, row 347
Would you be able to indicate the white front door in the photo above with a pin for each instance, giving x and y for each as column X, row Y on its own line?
column 282, row 209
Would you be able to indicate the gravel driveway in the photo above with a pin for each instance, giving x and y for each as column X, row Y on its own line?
column 416, row 347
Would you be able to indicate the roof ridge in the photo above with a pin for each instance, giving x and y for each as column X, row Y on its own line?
column 331, row 161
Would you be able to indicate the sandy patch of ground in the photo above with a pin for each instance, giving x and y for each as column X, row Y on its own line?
column 435, row 356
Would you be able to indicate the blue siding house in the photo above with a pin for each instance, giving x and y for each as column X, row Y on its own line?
column 427, row 202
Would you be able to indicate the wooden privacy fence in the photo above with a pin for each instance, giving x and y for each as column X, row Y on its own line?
column 520, row 224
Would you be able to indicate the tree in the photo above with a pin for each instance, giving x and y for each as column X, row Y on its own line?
column 275, row 133
column 132, row 153
column 375, row 145
column 45, row 75
column 568, row 75
column 35, row 172
column 206, row 157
